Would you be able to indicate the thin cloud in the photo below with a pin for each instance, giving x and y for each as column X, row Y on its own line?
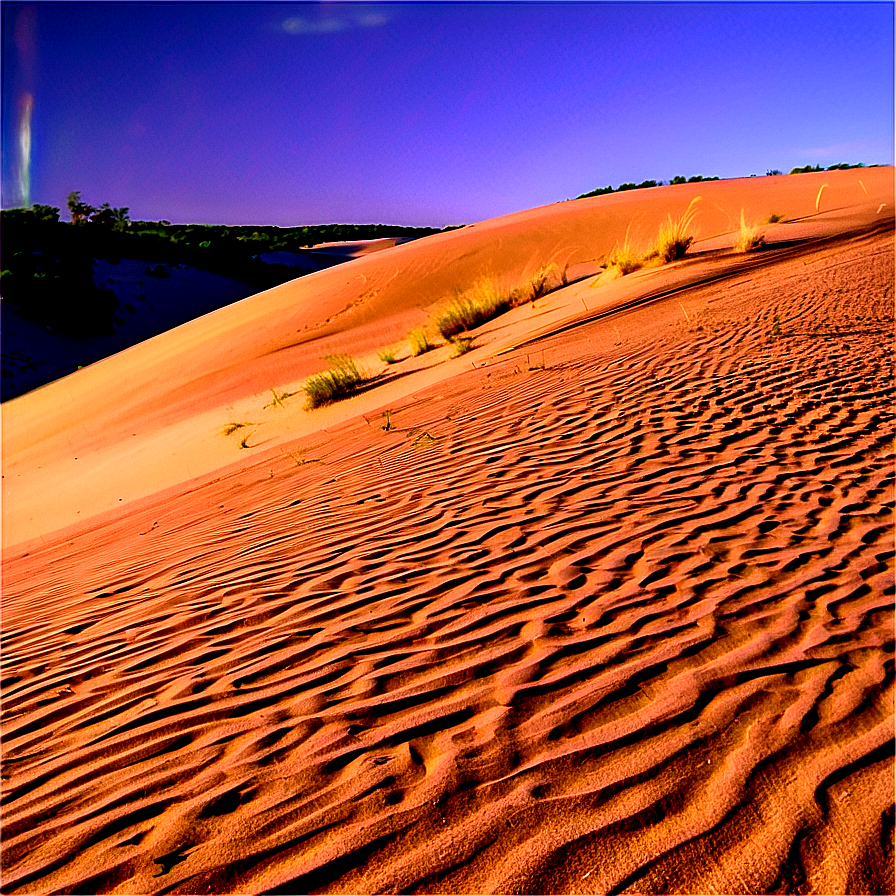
column 298, row 25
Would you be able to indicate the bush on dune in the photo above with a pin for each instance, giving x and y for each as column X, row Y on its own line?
column 673, row 241
column 675, row 236
column 340, row 381
column 624, row 257
column 469, row 309
column 419, row 340
column 545, row 280
column 488, row 299
column 749, row 237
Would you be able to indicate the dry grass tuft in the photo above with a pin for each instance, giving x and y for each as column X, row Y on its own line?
column 231, row 428
column 340, row 381
column 749, row 238
column 467, row 310
column 420, row 343
column 625, row 257
column 545, row 280
column 675, row 236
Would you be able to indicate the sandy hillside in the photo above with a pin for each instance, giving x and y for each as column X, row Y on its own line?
column 33, row 354
column 605, row 605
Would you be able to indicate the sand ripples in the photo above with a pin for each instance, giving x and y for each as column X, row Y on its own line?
column 619, row 624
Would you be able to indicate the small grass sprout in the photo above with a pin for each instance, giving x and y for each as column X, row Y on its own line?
column 340, row 381
column 299, row 460
column 462, row 344
column 774, row 218
column 387, row 355
column 749, row 238
column 818, row 197
column 231, row 428
column 420, row 343
column 675, row 236
column 279, row 399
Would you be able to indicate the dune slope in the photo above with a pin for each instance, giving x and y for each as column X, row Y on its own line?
column 150, row 418
column 612, row 612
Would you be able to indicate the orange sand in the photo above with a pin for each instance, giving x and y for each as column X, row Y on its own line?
column 608, row 608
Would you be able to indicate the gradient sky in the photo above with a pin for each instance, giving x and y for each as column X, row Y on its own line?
column 425, row 113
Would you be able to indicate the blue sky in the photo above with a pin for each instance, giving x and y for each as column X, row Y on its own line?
column 425, row 113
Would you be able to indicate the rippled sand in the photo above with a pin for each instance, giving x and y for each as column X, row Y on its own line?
column 610, row 613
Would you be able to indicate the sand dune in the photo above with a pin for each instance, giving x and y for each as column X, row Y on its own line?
column 150, row 418
column 608, row 607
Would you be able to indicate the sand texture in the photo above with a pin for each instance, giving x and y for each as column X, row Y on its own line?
column 605, row 606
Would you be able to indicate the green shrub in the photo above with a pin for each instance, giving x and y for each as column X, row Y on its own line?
column 340, row 381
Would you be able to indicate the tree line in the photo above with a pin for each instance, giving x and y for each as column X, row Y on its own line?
column 644, row 185
column 697, row 178
column 47, row 269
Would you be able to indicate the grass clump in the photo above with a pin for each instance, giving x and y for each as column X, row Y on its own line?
column 462, row 344
column 774, row 218
column 545, row 280
column 420, row 343
column 675, row 236
column 471, row 308
column 624, row 257
column 231, row 428
column 387, row 356
column 749, row 238
column 340, row 381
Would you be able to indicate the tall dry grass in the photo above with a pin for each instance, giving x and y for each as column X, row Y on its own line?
column 676, row 235
column 341, row 380
column 750, row 236
column 625, row 257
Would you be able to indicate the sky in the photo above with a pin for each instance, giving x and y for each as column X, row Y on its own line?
column 425, row 114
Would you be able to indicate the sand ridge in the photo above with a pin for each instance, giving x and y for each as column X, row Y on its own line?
column 610, row 613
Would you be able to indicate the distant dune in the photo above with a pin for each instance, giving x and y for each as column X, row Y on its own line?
column 604, row 605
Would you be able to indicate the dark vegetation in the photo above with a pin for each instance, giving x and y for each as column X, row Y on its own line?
column 697, row 178
column 645, row 184
column 840, row 166
column 47, row 264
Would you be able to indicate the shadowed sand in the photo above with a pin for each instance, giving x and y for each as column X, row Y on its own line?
column 607, row 607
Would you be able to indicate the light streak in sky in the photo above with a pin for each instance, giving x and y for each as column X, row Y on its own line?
column 26, row 107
